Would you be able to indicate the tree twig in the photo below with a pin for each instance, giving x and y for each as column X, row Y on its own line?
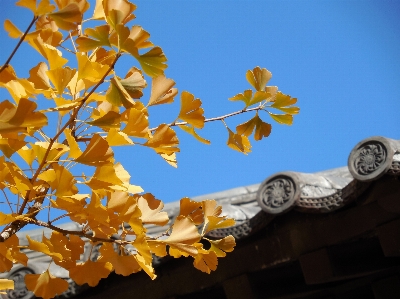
column 19, row 44
column 215, row 118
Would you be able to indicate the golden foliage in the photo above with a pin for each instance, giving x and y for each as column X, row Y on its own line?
column 72, row 110
column 45, row 285
column 6, row 284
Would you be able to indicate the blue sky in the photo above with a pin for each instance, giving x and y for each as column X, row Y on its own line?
column 340, row 59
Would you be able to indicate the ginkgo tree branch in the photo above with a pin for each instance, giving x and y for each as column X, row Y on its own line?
column 72, row 119
column 19, row 43
column 75, row 232
column 17, row 225
column 222, row 117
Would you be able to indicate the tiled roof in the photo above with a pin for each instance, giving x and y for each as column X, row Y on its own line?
column 254, row 207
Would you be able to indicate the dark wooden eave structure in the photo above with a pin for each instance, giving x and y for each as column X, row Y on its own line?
column 332, row 234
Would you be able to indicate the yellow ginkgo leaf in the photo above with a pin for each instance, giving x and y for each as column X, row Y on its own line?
column 51, row 37
column 146, row 267
column 39, row 77
column 110, row 119
column 137, row 39
column 261, row 128
column 157, row 247
column 21, row 183
column 96, row 37
column 217, row 223
column 6, row 218
column 248, row 98
column 61, row 77
column 42, row 8
column 10, row 143
column 98, row 13
column 245, row 96
column 68, row 17
column 210, row 208
column 150, row 208
column 184, row 235
column 189, row 129
column 177, row 253
column 191, row 209
column 97, row 271
column 60, row 243
column 162, row 91
column 258, row 78
column 74, row 150
column 117, row 95
column 285, row 119
column 73, row 204
column 206, row 261
column 122, row 264
column 117, row 12
column 30, row 4
column 164, row 140
column 120, row 202
column 57, row 150
column 20, row 88
column 60, row 180
column 44, row 22
column 223, row 245
column 27, row 155
column 76, row 246
column 5, row 263
column 43, row 248
column 96, row 153
column 45, row 285
column 239, row 142
column 54, row 57
column 152, row 62
column 75, row 86
column 137, row 124
column 83, row 5
column 134, row 83
column 12, row 30
column 143, row 248
column 282, row 102
column 14, row 119
column 7, row 74
column 191, row 112
column 112, row 177
column 10, row 253
column 105, row 177
column 89, row 69
column 170, row 159
column 6, row 284
column 117, row 138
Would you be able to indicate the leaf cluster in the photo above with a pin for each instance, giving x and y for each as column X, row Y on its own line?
column 69, row 114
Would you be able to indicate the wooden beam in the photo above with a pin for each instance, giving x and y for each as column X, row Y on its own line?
column 316, row 266
column 238, row 287
column 388, row 235
column 387, row 288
